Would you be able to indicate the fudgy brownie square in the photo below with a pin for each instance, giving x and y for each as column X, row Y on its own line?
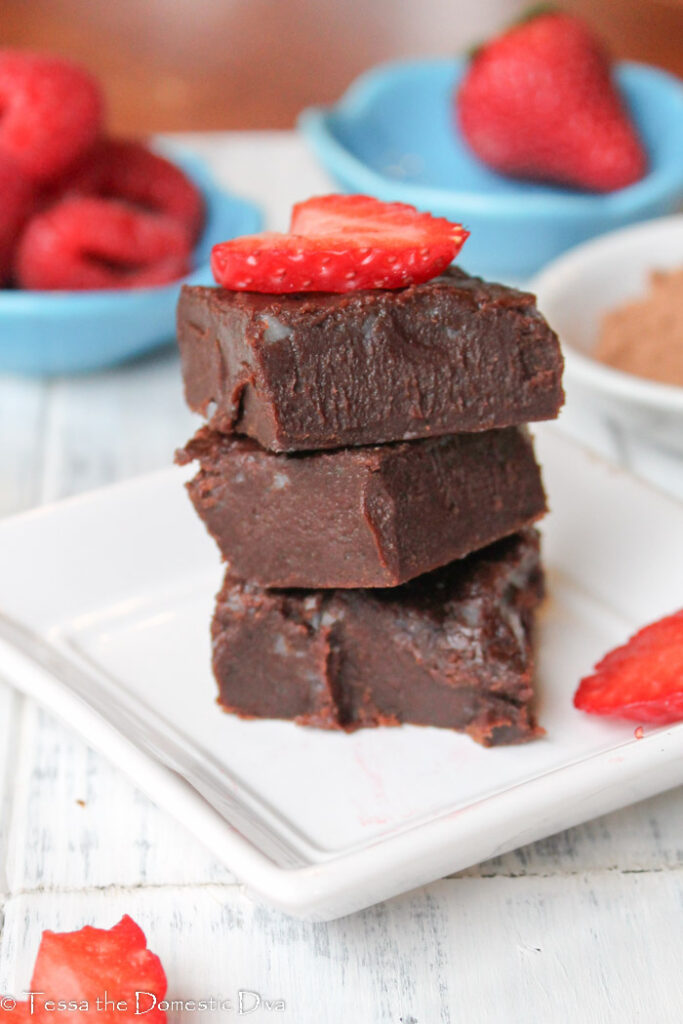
column 361, row 517
column 452, row 648
column 314, row 371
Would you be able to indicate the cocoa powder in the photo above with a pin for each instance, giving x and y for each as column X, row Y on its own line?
column 645, row 337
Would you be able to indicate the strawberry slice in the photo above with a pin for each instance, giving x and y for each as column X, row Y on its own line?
column 79, row 967
column 341, row 244
column 643, row 679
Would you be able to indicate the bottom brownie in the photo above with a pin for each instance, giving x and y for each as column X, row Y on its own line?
column 451, row 648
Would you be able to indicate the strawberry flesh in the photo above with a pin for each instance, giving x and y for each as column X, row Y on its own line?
column 14, row 1012
column 641, row 680
column 81, row 966
column 341, row 244
column 539, row 102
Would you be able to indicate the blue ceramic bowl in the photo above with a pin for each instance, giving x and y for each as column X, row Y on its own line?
column 68, row 332
column 393, row 135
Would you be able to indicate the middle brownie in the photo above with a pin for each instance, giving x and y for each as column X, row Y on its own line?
column 361, row 517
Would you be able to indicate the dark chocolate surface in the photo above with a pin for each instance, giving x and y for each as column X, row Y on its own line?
column 451, row 649
column 361, row 517
column 306, row 372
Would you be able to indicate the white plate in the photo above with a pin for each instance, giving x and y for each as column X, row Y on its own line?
column 106, row 601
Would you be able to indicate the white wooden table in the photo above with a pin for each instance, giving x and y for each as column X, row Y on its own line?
column 584, row 927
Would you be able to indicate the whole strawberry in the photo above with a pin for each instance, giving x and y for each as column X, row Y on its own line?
column 539, row 102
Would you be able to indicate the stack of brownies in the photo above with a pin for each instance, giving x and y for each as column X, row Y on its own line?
column 368, row 478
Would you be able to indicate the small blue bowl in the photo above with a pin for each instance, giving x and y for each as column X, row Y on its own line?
column 43, row 333
column 393, row 135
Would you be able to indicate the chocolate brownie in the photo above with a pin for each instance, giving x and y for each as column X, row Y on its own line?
column 305, row 372
column 361, row 517
column 451, row 649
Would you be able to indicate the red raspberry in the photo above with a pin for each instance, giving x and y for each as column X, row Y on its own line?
column 50, row 112
column 16, row 203
column 124, row 169
column 87, row 243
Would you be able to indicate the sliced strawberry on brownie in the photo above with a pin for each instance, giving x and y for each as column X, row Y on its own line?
column 341, row 244
column 83, row 243
column 79, row 967
column 641, row 680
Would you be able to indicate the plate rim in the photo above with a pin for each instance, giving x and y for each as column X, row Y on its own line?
column 385, row 867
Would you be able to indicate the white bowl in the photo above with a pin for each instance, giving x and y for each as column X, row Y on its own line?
column 575, row 291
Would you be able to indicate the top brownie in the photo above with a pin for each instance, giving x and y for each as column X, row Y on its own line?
column 313, row 371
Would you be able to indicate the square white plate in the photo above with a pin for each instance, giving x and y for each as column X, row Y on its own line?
column 105, row 602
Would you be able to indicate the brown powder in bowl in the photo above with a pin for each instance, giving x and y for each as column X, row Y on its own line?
column 646, row 337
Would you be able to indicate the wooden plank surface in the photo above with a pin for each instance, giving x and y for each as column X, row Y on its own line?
column 23, row 406
column 107, row 426
column 582, row 926
column 10, row 703
column 471, row 950
column 81, row 824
